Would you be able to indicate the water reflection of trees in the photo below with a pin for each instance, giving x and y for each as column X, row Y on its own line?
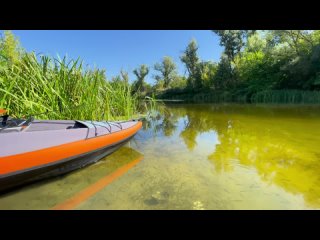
column 199, row 120
column 248, row 142
column 165, row 122
column 276, row 159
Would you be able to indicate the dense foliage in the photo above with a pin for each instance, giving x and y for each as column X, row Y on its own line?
column 257, row 63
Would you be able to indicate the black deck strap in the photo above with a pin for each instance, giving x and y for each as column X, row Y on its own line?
column 87, row 133
column 109, row 125
column 89, row 125
column 116, row 124
column 95, row 129
column 109, row 130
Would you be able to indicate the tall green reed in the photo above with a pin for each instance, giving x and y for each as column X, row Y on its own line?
column 287, row 97
column 63, row 90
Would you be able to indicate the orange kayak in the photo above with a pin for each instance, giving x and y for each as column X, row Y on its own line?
column 36, row 149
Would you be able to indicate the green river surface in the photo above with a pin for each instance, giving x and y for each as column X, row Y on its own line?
column 200, row 156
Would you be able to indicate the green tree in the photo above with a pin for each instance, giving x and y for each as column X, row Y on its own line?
column 224, row 74
column 315, row 37
column 254, row 67
column 10, row 49
column 255, row 71
column 141, row 72
column 256, row 43
column 298, row 55
column 167, row 69
column 298, row 40
column 208, row 71
column 191, row 60
column 158, row 86
column 232, row 41
column 178, row 82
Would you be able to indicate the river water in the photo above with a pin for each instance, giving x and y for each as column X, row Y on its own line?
column 198, row 156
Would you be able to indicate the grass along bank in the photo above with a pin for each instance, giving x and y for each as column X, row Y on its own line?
column 268, row 96
column 63, row 89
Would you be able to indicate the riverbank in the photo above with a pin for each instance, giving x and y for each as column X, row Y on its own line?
column 268, row 97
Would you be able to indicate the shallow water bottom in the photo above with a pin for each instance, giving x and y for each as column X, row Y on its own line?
column 200, row 156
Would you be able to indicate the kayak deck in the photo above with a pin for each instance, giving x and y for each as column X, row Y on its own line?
column 45, row 134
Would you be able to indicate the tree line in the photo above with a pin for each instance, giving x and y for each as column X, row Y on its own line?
column 252, row 62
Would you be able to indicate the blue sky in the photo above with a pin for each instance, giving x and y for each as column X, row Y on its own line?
column 116, row 49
